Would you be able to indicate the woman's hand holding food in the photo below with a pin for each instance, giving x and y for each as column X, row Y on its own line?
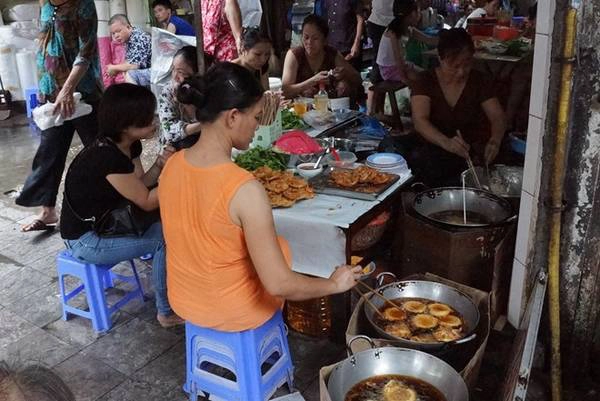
column 345, row 277
column 338, row 73
column 319, row 76
column 457, row 146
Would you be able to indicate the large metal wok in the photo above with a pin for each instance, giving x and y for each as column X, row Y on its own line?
column 428, row 290
column 399, row 361
column 433, row 202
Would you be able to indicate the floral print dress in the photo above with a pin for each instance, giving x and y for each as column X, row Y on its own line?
column 67, row 39
column 172, row 115
column 218, row 37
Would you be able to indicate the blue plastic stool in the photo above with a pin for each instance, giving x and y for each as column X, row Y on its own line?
column 244, row 354
column 95, row 279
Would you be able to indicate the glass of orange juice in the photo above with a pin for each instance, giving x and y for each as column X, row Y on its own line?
column 299, row 107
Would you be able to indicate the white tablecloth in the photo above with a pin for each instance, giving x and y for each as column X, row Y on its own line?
column 313, row 229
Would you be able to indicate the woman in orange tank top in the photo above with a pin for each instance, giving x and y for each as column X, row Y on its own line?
column 227, row 270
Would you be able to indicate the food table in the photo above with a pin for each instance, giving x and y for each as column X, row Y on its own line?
column 320, row 232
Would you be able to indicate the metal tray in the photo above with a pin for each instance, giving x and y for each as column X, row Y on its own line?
column 322, row 185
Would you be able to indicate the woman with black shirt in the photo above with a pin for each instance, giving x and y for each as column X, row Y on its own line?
column 110, row 171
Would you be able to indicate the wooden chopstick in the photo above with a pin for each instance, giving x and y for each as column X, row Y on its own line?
column 368, row 301
column 374, row 291
column 470, row 164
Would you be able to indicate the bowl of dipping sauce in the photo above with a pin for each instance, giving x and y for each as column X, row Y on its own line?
column 308, row 170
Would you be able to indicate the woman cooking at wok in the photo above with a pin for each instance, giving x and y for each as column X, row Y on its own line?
column 455, row 111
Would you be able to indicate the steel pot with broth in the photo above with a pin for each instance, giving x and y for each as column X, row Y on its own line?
column 395, row 374
column 463, row 207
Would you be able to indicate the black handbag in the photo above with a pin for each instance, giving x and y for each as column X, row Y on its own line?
column 125, row 220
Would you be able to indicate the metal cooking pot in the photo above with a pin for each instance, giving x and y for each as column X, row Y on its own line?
column 399, row 361
column 492, row 208
column 428, row 290
column 504, row 181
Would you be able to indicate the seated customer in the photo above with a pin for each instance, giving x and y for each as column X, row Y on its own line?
column 178, row 124
column 305, row 67
column 163, row 12
column 138, row 51
column 391, row 56
column 108, row 173
column 449, row 104
column 255, row 53
column 227, row 268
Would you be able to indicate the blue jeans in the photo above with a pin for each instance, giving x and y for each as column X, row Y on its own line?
column 93, row 249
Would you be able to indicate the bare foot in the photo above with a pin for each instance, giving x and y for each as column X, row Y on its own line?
column 169, row 321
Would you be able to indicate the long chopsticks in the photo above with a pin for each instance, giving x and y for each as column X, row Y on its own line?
column 368, row 301
column 470, row 165
column 374, row 291
column 272, row 101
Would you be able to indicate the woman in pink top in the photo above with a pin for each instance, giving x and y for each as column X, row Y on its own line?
column 222, row 28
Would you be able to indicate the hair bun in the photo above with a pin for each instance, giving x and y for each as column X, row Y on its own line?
column 192, row 91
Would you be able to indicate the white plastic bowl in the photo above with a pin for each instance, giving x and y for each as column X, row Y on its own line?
column 306, row 170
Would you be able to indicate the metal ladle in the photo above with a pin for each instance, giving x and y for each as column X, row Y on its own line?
column 316, row 165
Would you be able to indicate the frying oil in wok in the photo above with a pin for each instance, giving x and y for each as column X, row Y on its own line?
column 393, row 388
column 421, row 320
column 456, row 217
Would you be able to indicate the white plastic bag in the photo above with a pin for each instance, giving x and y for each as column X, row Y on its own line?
column 44, row 117
column 251, row 12
column 164, row 46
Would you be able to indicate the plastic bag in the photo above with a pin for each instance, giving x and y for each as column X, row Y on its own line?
column 251, row 12
column 164, row 46
column 44, row 117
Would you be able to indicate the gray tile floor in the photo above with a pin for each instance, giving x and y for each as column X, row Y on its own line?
column 136, row 359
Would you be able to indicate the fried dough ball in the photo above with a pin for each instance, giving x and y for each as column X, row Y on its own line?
column 399, row 329
column 445, row 334
column 450, row 321
column 393, row 313
column 296, row 182
column 425, row 322
column 424, row 338
column 381, row 178
column 395, row 390
column 278, row 200
column 414, row 306
column 439, row 310
column 277, row 186
column 263, row 172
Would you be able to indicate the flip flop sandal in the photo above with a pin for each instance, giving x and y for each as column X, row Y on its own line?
column 38, row 225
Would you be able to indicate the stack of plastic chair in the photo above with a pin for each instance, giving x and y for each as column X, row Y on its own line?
column 259, row 360
column 95, row 279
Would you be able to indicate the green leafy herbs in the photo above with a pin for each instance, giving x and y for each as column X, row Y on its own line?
column 516, row 47
column 259, row 156
column 289, row 120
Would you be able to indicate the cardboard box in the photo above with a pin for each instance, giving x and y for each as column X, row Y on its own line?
column 465, row 358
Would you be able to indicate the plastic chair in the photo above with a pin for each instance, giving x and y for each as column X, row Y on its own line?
column 259, row 359
column 380, row 90
column 95, row 279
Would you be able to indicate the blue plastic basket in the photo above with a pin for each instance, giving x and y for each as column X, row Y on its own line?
column 517, row 144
